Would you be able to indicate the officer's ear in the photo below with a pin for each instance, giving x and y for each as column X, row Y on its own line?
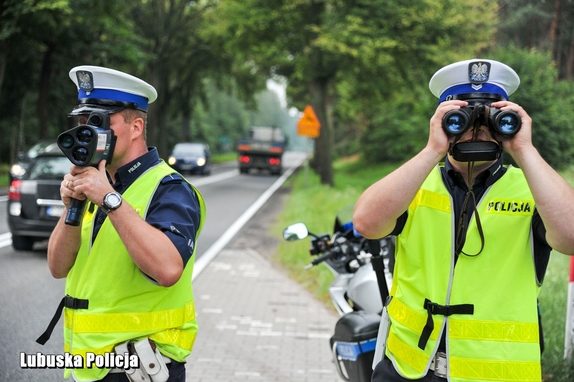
column 137, row 126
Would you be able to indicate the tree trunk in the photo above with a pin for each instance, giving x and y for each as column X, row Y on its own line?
column 157, row 127
column 2, row 66
column 323, row 143
column 186, row 114
column 569, row 73
column 554, row 48
column 44, row 94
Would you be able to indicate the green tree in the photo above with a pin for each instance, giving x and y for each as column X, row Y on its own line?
column 543, row 25
column 41, row 41
column 548, row 100
column 183, row 52
column 374, row 45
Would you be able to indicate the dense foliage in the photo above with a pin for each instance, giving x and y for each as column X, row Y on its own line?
column 363, row 65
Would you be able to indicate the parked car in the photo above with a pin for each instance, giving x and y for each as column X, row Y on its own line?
column 191, row 157
column 34, row 203
column 18, row 169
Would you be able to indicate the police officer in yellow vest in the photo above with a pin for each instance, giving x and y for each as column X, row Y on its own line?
column 129, row 307
column 473, row 237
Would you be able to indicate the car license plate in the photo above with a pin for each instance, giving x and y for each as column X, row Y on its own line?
column 186, row 167
column 55, row 211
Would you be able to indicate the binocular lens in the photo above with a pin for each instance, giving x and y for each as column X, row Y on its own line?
column 508, row 123
column 80, row 154
column 85, row 135
column 67, row 141
column 455, row 122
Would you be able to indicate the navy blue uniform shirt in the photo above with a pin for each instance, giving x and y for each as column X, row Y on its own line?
column 174, row 208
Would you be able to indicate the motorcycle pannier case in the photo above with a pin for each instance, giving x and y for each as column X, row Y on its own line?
column 353, row 345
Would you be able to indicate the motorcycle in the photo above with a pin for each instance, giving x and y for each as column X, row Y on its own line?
column 363, row 274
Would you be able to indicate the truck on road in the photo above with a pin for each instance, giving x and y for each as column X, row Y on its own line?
column 262, row 149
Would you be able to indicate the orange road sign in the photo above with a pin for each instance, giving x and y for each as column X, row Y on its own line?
column 309, row 124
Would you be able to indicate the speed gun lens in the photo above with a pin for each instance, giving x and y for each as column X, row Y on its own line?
column 66, row 141
column 506, row 122
column 455, row 122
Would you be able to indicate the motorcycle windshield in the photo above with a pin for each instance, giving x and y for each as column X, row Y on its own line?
column 344, row 220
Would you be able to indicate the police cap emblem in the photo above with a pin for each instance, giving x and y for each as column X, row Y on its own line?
column 478, row 72
column 85, row 80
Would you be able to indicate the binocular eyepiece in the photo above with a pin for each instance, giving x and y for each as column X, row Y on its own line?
column 504, row 122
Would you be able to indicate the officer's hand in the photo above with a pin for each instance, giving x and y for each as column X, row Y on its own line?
column 67, row 191
column 438, row 139
column 523, row 139
column 91, row 182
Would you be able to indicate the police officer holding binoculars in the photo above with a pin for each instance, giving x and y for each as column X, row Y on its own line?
column 473, row 237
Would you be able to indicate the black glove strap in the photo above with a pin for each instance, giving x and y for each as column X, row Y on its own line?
column 68, row 302
column 443, row 310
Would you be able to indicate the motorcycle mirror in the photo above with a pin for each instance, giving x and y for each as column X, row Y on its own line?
column 295, row 231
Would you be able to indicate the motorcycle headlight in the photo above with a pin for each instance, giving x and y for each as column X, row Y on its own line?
column 201, row 161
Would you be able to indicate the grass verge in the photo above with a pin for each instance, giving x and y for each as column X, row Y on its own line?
column 225, row 157
column 316, row 205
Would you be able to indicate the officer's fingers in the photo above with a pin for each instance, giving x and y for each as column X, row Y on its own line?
column 102, row 166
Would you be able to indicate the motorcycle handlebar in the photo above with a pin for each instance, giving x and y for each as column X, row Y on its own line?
column 320, row 259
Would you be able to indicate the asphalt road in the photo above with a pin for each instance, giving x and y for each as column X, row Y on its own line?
column 29, row 295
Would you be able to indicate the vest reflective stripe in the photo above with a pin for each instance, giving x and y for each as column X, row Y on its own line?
column 180, row 338
column 130, row 322
column 504, row 325
column 489, row 370
column 411, row 318
column 493, row 331
column 464, row 368
column 465, row 329
column 412, row 356
column 431, row 199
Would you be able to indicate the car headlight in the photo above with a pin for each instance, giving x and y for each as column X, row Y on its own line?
column 201, row 161
column 171, row 161
column 17, row 170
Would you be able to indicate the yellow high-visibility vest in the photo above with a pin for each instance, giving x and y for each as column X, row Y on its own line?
column 496, row 338
column 123, row 303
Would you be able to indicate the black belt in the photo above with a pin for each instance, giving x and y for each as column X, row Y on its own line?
column 68, row 302
column 443, row 310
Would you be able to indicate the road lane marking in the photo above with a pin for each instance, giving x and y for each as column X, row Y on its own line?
column 214, row 178
column 216, row 247
column 5, row 239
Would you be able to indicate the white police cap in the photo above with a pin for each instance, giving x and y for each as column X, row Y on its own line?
column 474, row 76
column 109, row 90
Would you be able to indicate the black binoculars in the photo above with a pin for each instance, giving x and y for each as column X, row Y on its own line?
column 503, row 122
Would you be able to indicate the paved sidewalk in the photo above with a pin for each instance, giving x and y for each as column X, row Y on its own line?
column 257, row 324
